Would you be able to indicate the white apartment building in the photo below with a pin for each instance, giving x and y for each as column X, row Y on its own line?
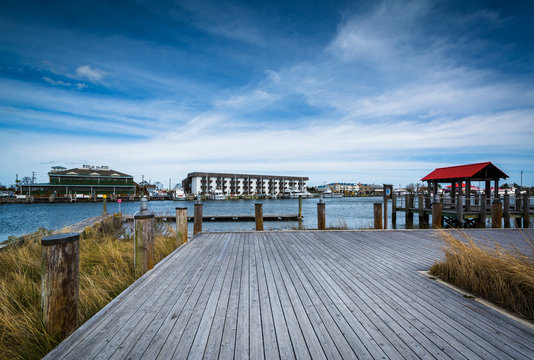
column 241, row 184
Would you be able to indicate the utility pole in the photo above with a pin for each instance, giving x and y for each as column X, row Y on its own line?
column 521, row 179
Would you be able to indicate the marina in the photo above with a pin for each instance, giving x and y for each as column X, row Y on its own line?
column 302, row 294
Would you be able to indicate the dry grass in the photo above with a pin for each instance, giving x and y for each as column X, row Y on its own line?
column 106, row 269
column 504, row 277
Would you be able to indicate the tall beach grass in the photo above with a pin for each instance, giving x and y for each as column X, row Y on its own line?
column 502, row 276
column 106, row 269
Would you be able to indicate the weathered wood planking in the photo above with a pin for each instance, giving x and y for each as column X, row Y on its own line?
column 302, row 294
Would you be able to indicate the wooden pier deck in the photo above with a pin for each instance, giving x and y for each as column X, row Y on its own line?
column 301, row 294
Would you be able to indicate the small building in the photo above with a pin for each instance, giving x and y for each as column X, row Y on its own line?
column 370, row 189
column 242, row 184
column 340, row 187
column 485, row 172
column 85, row 182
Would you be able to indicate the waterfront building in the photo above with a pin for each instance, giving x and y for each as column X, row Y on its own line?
column 85, row 182
column 340, row 187
column 370, row 189
column 242, row 184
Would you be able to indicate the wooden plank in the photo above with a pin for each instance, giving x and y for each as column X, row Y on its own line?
column 201, row 320
column 181, row 336
column 213, row 343
column 270, row 345
column 242, row 346
column 256, row 348
column 285, row 346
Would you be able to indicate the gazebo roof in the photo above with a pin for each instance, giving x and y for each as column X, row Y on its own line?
column 477, row 172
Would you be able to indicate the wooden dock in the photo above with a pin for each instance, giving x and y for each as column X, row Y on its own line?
column 223, row 218
column 301, row 294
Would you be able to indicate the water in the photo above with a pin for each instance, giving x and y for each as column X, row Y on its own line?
column 355, row 213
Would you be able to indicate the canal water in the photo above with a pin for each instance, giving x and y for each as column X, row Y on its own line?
column 353, row 213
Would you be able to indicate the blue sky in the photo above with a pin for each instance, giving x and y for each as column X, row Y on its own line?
column 370, row 91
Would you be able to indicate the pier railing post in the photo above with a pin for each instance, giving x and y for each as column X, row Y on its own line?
column 60, row 257
column 409, row 212
column 258, row 214
column 377, row 215
column 421, row 206
column 437, row 219
column 104, row 212
column 496, row 215
column 321, row 215
column 300, row 207
column 197, row 224
column 144, row 243
column 393, row 211
column 506, row 200
column 181, row 226
column 482, row 214
column 460, row 211
column 526, row 209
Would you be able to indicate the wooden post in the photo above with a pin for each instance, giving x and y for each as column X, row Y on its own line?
column 517, row 200
column 197, row 224
column 488, row 193
column 526, row 208
column 393, row 211
column 506, row 209
column 496, row 197
column 377, row 211
column 104, row 212
column 426, row 215
column 385, row 213
column 496, row 215
column 144, row 243
column 259, row 216
column 421, row 206
column 460, row 210
column 409, row 213
column 321, row 216
column 437, row 220
column 181, row 226
column 453, row 191
column 482, row 214
column 60, row 256
column 300, row 206
column 467, row 195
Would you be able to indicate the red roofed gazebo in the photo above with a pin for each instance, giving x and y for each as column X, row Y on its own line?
column 485, row 171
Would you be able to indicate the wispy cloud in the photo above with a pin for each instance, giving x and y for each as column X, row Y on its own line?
column 89, row 73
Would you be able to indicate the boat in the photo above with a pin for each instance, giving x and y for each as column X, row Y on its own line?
column 295, row 193
column 217, row 194
column 329, row 194
column 179, row 194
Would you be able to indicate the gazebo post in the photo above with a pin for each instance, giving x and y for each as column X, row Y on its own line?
column 488, row 193
column 496, row 197
column 453, row 191
column 467, row 194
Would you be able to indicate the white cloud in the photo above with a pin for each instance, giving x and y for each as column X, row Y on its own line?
column 55, row 82
column 91, row 74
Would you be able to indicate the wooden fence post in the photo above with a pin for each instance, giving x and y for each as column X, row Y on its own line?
column 321, row 215
column 437, row 221
column 506, row 209
column 60, row 257
column 460, row 210
column 496, row 215
column 526, row 208
column 104, row 212
column 482, row 214
column 197, row 224
column 181, row 226
column 409, row 213
column 421, row 206
column 393, row 211
column 258, row 212
column 377, row 215
column 300, row 206
column 144, row 243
